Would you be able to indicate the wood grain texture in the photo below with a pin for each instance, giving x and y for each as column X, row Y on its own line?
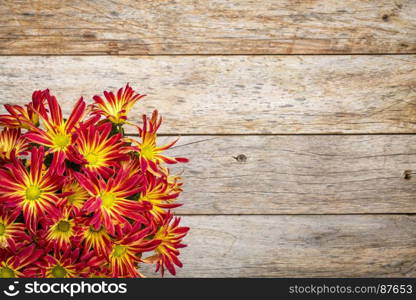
column 299, row 246
column 297, row 174
column 236, row 94
column 207, row 27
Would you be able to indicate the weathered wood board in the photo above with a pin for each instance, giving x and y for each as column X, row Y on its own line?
column 59, row 27
column 236, row 94
column 299, row 246
column 297, row 174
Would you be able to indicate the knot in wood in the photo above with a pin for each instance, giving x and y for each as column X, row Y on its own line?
column 241, row 158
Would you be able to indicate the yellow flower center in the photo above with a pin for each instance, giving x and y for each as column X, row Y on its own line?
column 72, row 198
column 6, row 272
column 92, row 159
column 147, row 152
column 61, row 141
column 2, row 229
column 59, row 272
column 33, row 193
column 161, row 234
column 78, row 194
column 108, row 199
column 119, row 250
column 64, row 226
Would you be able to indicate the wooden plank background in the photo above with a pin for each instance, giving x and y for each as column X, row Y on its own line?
column 304, row 246
column 318, row 174
column 299, row 118
column 207, row 27
column 237, row 94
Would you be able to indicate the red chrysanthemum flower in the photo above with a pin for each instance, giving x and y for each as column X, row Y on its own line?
column 108, row 202
column 96, row 150
column 127, row 247
column 33, row 190
column 13, row 265
column 12, row 141
column 96, row 239
column 150, row 154
column 66, row 264
column 74, row 195
column 20, row 117
column 170, row 235
column 12, row 233
column 116, row 107
column 60, row 230
column 59, row 132
column 80, row 199
column 160, row 195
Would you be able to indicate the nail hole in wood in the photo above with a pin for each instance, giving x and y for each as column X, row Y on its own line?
column 385, row 18
column 407, row 174
column 240, row 158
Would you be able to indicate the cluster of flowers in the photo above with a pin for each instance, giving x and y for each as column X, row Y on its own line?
column 78, row 198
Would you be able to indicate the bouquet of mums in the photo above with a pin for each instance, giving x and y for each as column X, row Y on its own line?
column 79, row 198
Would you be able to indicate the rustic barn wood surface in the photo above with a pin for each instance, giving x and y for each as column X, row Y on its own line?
column 304, row 246
column 237, row 94
column 207, row 27
column 299, row 118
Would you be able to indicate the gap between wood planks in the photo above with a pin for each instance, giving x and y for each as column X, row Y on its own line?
column 214, row 54
column 297, row 214
column 275, row 134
